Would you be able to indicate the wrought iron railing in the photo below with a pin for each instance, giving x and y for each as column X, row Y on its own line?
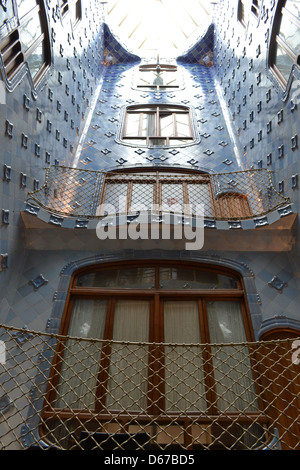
column 73, row 192
column 49, row 398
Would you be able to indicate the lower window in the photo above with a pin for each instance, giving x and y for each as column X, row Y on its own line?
column 142, row 352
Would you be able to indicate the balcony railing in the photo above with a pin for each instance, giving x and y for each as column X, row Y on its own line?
column 72, row 192
column 48, row 398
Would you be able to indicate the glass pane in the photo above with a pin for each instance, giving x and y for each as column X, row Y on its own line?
column 294, row 7
column 127, row 277
column 24, row 6
column 142, row 194
column 172, row 197
column 75, row 11
column 146, row 78
column 184, row 375
column 170, row 78
column 290, row 34
column 183, row 125
column 80, row 367
column 8, row 14
column 232, row 367
column 283, row 62
column 200, row 194
column 133, row 124
column 116, row 195
column 36, row 59
column 30, row 31
column 128, row 371
column 167, row 125
column 148, row 127
column 184, row 278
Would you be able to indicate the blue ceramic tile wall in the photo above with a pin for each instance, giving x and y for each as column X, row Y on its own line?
column 221, row 110
column 234, row 102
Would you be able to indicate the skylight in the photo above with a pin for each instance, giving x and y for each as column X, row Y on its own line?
column 164, row 27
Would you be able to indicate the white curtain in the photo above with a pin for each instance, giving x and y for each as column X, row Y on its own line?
column 232, row 367
column 128, row 372
column 184, row 377
column 80, row 366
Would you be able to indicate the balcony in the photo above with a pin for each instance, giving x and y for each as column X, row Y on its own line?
column 233, row 202
column 242, row 195
column 210, row 396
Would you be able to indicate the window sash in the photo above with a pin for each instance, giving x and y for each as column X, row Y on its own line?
column 151, row 124
column 284, row 53
column 153, row 192
column 160, row 377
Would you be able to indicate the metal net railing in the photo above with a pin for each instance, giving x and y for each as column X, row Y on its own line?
column 59, row 392
column 74, row 192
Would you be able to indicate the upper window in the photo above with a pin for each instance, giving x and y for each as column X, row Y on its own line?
column 157, row 77
column 157, row 125
column 247, row 6
column 29, row 42
column 285, row 46
column 74, row 8
column 151, row 319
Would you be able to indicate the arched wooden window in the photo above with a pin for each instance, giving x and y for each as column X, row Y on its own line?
column 157, row 125
column 28, row 40
column 232, row 205
column 285, row 41
column 157, row 77
column 151, row 318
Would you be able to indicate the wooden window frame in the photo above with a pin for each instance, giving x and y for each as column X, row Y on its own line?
column 157, row 111
column 12, row 51
column 229, row 205
column 153, row 67
column 65, row 10
column 245, row 7
column 277, row 40
column 156, row 297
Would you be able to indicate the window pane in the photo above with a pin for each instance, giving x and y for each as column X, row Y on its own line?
column 36, row 59
column 290, row 34
column 294, row 7
column 184, row 376
column 30, row 31
column 167, row 125
column 200, row 194
column 181, row 278
column 232, row 367
column 8, row 14
column 116, row 195
column 128, row 277
column 128, row 372
column 183, row 126
column 172, row 197
column 142, row 194
column 78, row 375
column 283, row 62
column 24, row 6
column 149, row 125
column 132, row 126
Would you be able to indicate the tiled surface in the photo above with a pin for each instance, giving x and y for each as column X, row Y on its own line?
column 221, row 110
column 234, row 102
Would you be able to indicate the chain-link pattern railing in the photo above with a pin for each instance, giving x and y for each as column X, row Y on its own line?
column 73, row 192
column 55, row 395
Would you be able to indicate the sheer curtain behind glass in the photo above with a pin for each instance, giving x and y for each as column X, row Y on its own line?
column 232, row 367
column 80, row 366
column 184, row 378
column 127, row 383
